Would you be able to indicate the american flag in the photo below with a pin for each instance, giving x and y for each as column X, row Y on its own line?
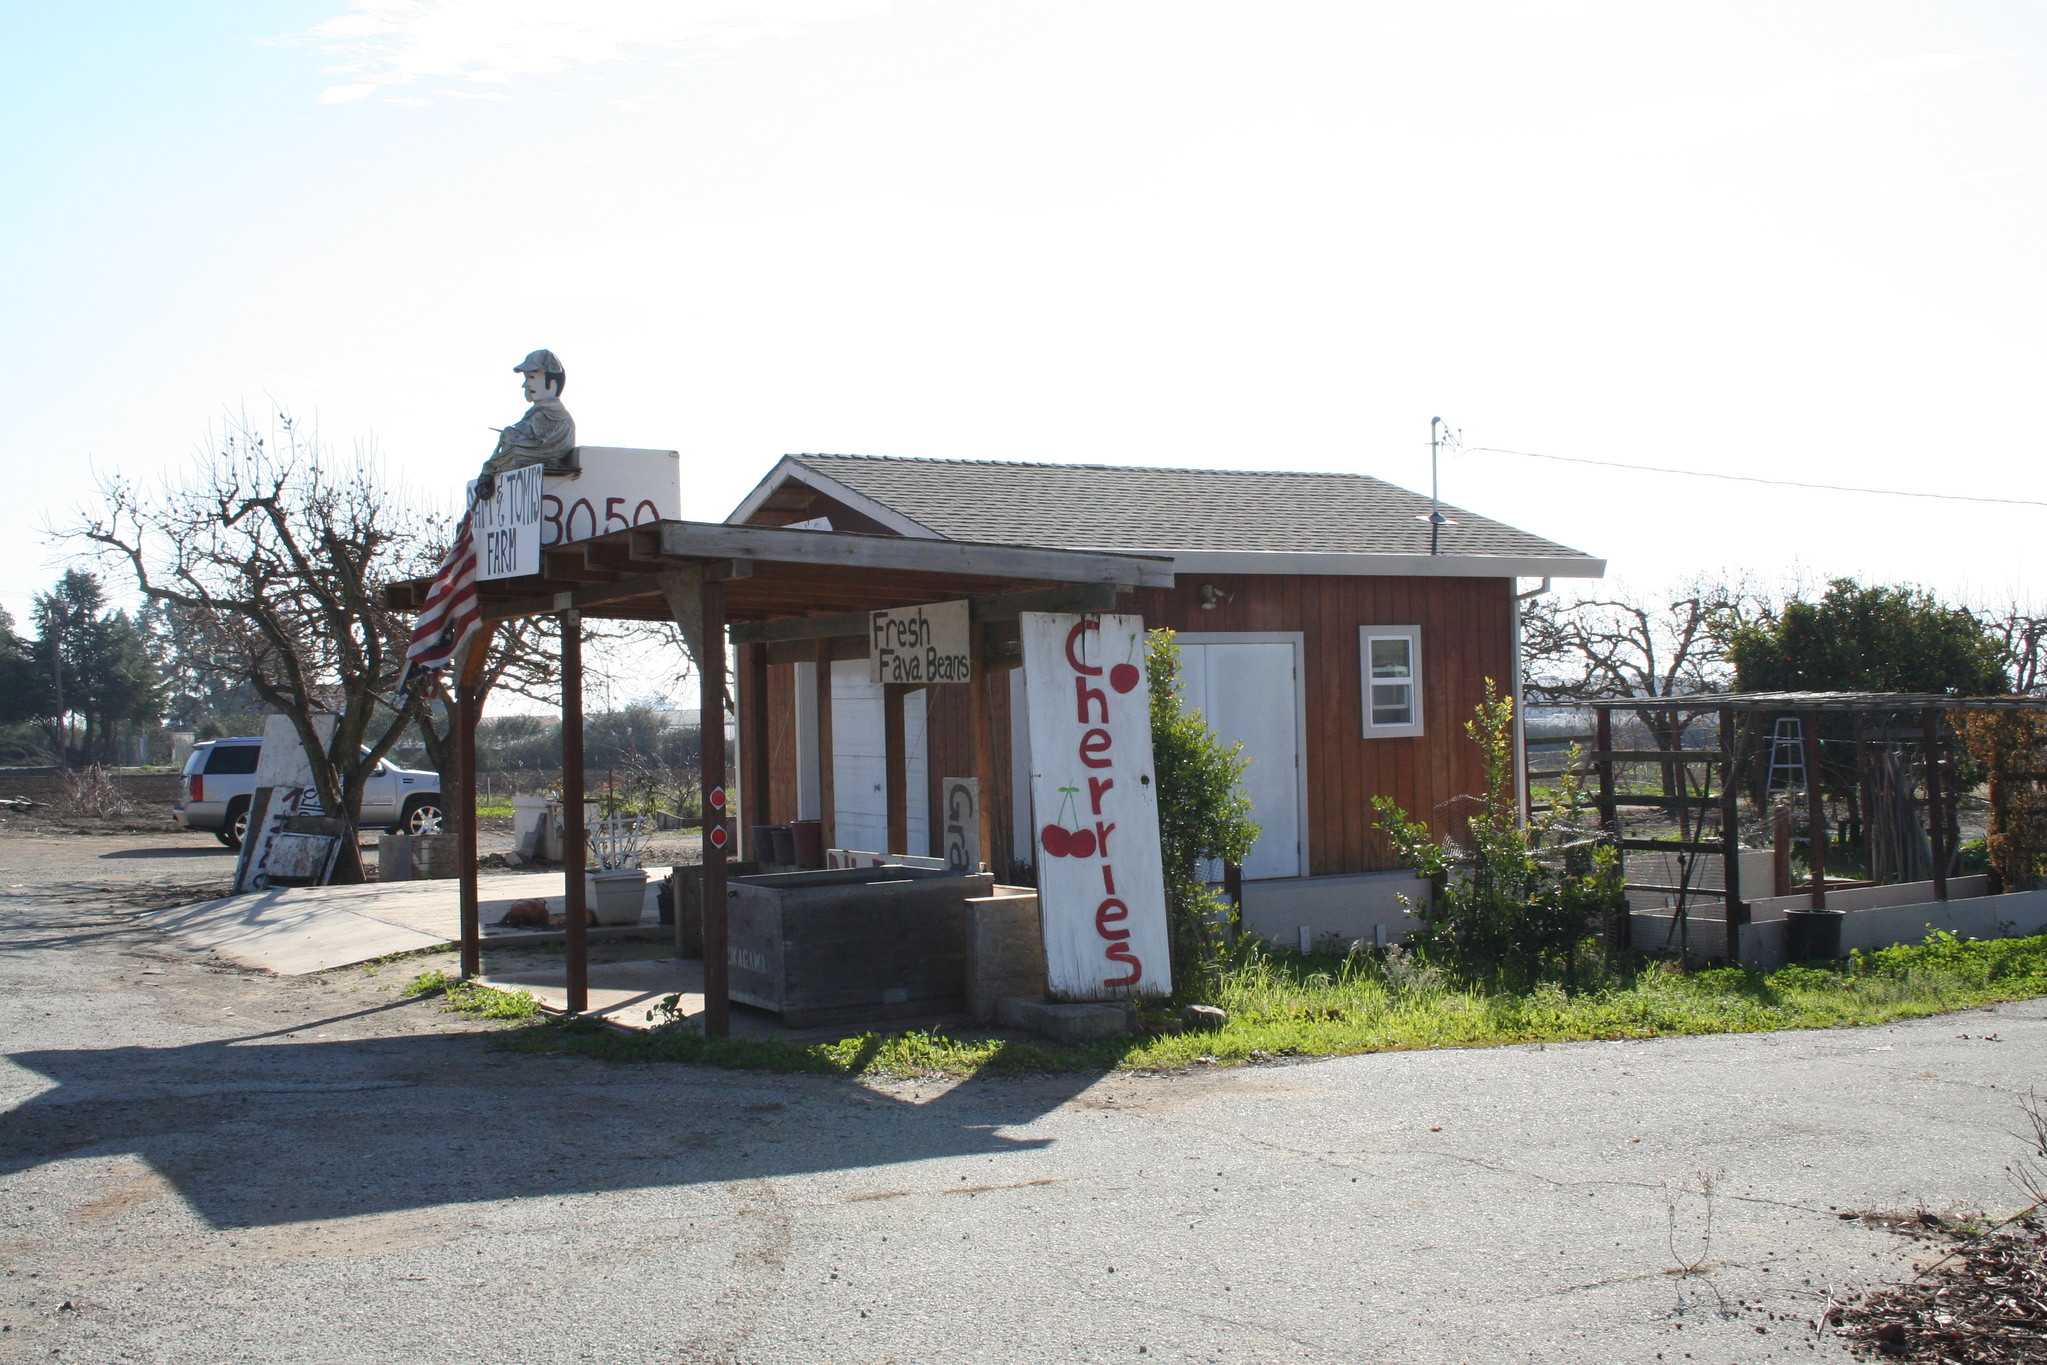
column 452, row 613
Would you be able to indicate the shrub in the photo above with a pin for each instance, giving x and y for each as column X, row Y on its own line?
column 1513, row 904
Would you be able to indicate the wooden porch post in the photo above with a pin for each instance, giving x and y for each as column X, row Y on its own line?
column 896, row 764
column 1936, row 802
column 717, row 835
column 983, row 726
column 575, row 899
column 827, row 793
column 1737, row 910
column 468, row 703
column 755, row 806
column 1815, row 810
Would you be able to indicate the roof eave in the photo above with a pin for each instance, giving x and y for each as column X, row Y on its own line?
column 1342, row 564
column 791, row 468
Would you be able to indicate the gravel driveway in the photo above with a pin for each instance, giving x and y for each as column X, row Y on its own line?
column 203, row 1164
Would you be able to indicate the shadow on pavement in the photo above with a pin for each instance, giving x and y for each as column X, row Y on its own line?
column 211, row 850
column 254, row 1133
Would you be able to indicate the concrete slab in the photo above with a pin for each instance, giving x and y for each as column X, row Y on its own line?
column 296, row 930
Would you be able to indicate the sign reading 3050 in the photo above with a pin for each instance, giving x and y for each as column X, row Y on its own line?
column 920, row 645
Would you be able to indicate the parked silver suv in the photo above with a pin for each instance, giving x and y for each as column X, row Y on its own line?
column 220, row 777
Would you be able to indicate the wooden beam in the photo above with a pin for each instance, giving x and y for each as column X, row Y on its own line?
column 652, row 586
column 1815, row 811
column 468, row 704
column 717, row 835
column 1936, row 803
column 896, row 766
column 1737, row 910
column 803, row 651
column 709, row 541
column 575, row 897
column 755, row 804
column 982, row 724
column 827, row 779
column 1001, row 607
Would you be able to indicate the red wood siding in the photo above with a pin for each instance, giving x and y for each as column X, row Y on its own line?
column 1466, row 637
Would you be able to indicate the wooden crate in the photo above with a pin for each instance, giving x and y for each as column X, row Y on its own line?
column 853, row 945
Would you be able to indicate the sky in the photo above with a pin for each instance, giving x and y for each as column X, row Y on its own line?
column 1780, row 240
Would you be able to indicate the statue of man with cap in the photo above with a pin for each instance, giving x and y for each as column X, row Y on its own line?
column 545, row 435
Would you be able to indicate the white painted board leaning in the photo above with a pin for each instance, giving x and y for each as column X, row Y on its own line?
column 1101, row 884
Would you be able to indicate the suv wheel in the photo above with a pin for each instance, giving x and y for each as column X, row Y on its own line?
column 237, row 824
column 423, row 816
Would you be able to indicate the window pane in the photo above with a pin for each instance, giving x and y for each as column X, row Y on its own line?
column 234, row 758
column 1392, row 704
column 1391, row 659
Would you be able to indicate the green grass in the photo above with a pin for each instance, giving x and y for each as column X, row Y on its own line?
column 1285, row 1004
column 478, row 1002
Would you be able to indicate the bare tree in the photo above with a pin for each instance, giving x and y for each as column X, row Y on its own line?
column 277, row 555
column 1593, row 649
column 2022, row 639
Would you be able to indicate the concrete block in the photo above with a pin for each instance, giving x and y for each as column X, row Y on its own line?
column 1081, row 1022
column 1005, row 951
column 394, row 858
column 435, row 857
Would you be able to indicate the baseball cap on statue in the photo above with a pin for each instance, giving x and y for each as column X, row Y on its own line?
column 539, row 360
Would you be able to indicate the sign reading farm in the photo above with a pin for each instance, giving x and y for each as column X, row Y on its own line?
column 1101, row 886
column 507, row 525
column 920, row 645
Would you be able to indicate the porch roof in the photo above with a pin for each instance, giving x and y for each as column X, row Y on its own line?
column 772, row 574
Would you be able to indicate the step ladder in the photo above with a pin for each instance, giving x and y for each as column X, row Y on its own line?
column 1787, row 757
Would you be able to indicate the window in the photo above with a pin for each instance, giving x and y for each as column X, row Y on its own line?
column 1391, row 657
column 234, row 758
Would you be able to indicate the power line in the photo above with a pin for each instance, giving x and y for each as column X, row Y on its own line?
column 1749, row 478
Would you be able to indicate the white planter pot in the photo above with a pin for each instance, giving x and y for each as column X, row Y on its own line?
column 617, row 897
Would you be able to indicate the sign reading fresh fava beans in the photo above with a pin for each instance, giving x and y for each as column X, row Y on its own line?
column 1101, row 887
column 920, row 645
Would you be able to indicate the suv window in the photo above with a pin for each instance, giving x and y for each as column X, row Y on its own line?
column 234, row 758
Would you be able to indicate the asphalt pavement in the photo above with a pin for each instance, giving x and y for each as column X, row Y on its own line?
column 203, row 1163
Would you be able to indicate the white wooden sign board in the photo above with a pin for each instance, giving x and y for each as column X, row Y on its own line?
column 962, row 806
column 506, row 526
column 920, row 645
column 1101, row 884
column 616, row 487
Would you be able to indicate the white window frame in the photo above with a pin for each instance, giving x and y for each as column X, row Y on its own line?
column 1413, row 636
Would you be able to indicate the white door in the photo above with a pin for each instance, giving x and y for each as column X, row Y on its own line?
column 860, row 764
column 1249, row 693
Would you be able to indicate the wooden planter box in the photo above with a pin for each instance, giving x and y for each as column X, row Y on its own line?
column 853, row 945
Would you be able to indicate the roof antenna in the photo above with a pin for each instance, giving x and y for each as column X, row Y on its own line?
column 1439, row 435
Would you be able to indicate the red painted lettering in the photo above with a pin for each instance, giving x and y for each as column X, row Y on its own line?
column 1102, row 833
column 551, row 518
column 1083, row 694
column 646, row 512
column 1105, row 916
column 1093, row 744
column 1120, row 952
column 1108, row 880
column 1095, row 787
column 612, row 513
column 1073, row 644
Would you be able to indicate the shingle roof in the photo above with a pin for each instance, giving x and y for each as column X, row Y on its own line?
column 1111, row 507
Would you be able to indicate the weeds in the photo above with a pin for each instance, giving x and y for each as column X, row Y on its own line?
column 478, row 1002
column 94, row 791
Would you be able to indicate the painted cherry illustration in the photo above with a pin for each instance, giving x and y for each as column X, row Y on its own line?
column 1061, row 842
column 1125, row 676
